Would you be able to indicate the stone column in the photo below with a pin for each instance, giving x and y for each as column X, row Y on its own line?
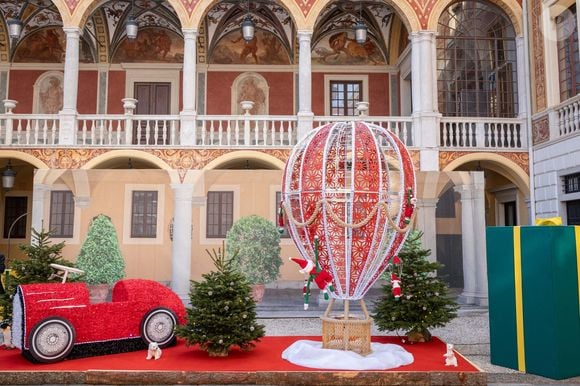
column 188, row 115
column 522, row 80
column 181, row 248
column 305, row 115
column 468, row 246
column 478, row 223
column 428, row 225
column 67, row 130
column 38, row 197
column 424, row 94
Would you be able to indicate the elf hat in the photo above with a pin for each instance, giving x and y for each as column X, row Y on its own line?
column 305, row 265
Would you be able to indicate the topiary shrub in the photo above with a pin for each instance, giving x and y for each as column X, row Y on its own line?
column 100, row 256
column 257, row 244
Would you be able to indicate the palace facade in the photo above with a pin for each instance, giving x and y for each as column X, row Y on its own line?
column 184, row 125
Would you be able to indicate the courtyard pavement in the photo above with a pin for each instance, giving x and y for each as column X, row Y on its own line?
column 282, row 313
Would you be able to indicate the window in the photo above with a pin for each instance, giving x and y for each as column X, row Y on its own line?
column 15, row 209
column 220, row 214
column 344, row 95
column 62, row 212
column 476, row 62
column 144, row 214
column 285, row 234
column 568, row 58
column 572, row 183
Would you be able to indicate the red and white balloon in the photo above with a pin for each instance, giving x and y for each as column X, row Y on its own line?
column 350, row 184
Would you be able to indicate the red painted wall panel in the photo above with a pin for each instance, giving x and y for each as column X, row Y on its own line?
column 116, row 92
column 21, row 89
column 88, row 92
column 281, row 94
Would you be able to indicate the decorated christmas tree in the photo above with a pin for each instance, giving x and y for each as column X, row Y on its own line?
column 34, row 269
column 222, row 313
column 100, row 256
column 415, row 299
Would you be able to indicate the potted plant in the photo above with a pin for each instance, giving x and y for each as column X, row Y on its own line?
column 100, row 258
column 257, row 244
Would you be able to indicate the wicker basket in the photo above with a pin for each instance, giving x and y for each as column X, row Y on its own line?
column 347, row 332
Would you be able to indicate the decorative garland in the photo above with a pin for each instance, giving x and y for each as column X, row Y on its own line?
column 365, row 221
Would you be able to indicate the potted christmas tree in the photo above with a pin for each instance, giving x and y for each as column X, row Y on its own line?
column 222, row 313
column 415, row 300
column 34, row 269
column 256, row 242
column 100, row 258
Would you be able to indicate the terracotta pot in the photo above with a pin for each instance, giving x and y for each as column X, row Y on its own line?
column 258, row 292
column 98, row 293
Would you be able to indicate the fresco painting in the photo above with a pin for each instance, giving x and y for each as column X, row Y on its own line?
column 50, row 94
column 251, row 87
column 341, row 48
column 151, row 45
column 45, row 46
column 265, row 48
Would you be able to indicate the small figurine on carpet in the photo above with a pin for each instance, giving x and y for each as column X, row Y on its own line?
column 450, row 359
column 154, row 351
column 6, row 335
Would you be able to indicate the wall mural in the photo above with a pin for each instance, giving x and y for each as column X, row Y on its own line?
column 265, row 48
column 151, row 45
column 45, row 46
column 341, row 48
column 250, row 87
column 48, row 46
column 48, row 93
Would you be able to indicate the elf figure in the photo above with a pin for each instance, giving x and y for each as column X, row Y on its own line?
column 396, row 283
column 410, row 207
column 322, row 278
column 6, row 335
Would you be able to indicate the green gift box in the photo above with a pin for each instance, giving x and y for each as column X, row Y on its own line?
column 534, row 313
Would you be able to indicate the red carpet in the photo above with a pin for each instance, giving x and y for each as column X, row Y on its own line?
column 267, row 356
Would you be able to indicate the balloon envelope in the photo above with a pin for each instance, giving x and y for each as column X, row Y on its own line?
column 346, row 183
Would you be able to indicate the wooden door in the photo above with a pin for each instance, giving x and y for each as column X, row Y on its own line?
column 152, row 99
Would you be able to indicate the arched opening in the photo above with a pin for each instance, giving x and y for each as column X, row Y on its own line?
column 476, row 61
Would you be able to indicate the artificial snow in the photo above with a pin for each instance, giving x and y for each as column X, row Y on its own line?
column 310, row 353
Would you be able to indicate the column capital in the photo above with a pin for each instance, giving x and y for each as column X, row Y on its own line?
column 466, row 191
column 182, row 191
column 304, row 35
column 189, row 33
column 422, row 35
column 72, row 31
column 427, row 202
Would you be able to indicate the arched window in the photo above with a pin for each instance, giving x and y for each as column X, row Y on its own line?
column 568, row 59
column 476, row 62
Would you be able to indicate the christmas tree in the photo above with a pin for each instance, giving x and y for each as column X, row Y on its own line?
column 100, row 256
column 421, row 302
column 222, row 313
column 35, row 269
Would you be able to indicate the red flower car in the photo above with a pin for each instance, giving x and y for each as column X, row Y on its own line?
column 56, row 321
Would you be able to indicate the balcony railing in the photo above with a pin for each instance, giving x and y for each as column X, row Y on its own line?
column 482, row 133
column 128, row 130
column 568, row 117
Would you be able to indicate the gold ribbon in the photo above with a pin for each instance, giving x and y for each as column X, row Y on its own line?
column 519, row 301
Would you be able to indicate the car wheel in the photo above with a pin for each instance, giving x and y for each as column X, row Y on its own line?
column 159, row 326
column 51, row 340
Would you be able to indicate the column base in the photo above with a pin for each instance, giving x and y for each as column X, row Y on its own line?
column 187, row 132
column 474, row 299
column 305, row 123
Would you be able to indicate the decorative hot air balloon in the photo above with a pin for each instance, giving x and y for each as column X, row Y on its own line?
column 348, row 194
